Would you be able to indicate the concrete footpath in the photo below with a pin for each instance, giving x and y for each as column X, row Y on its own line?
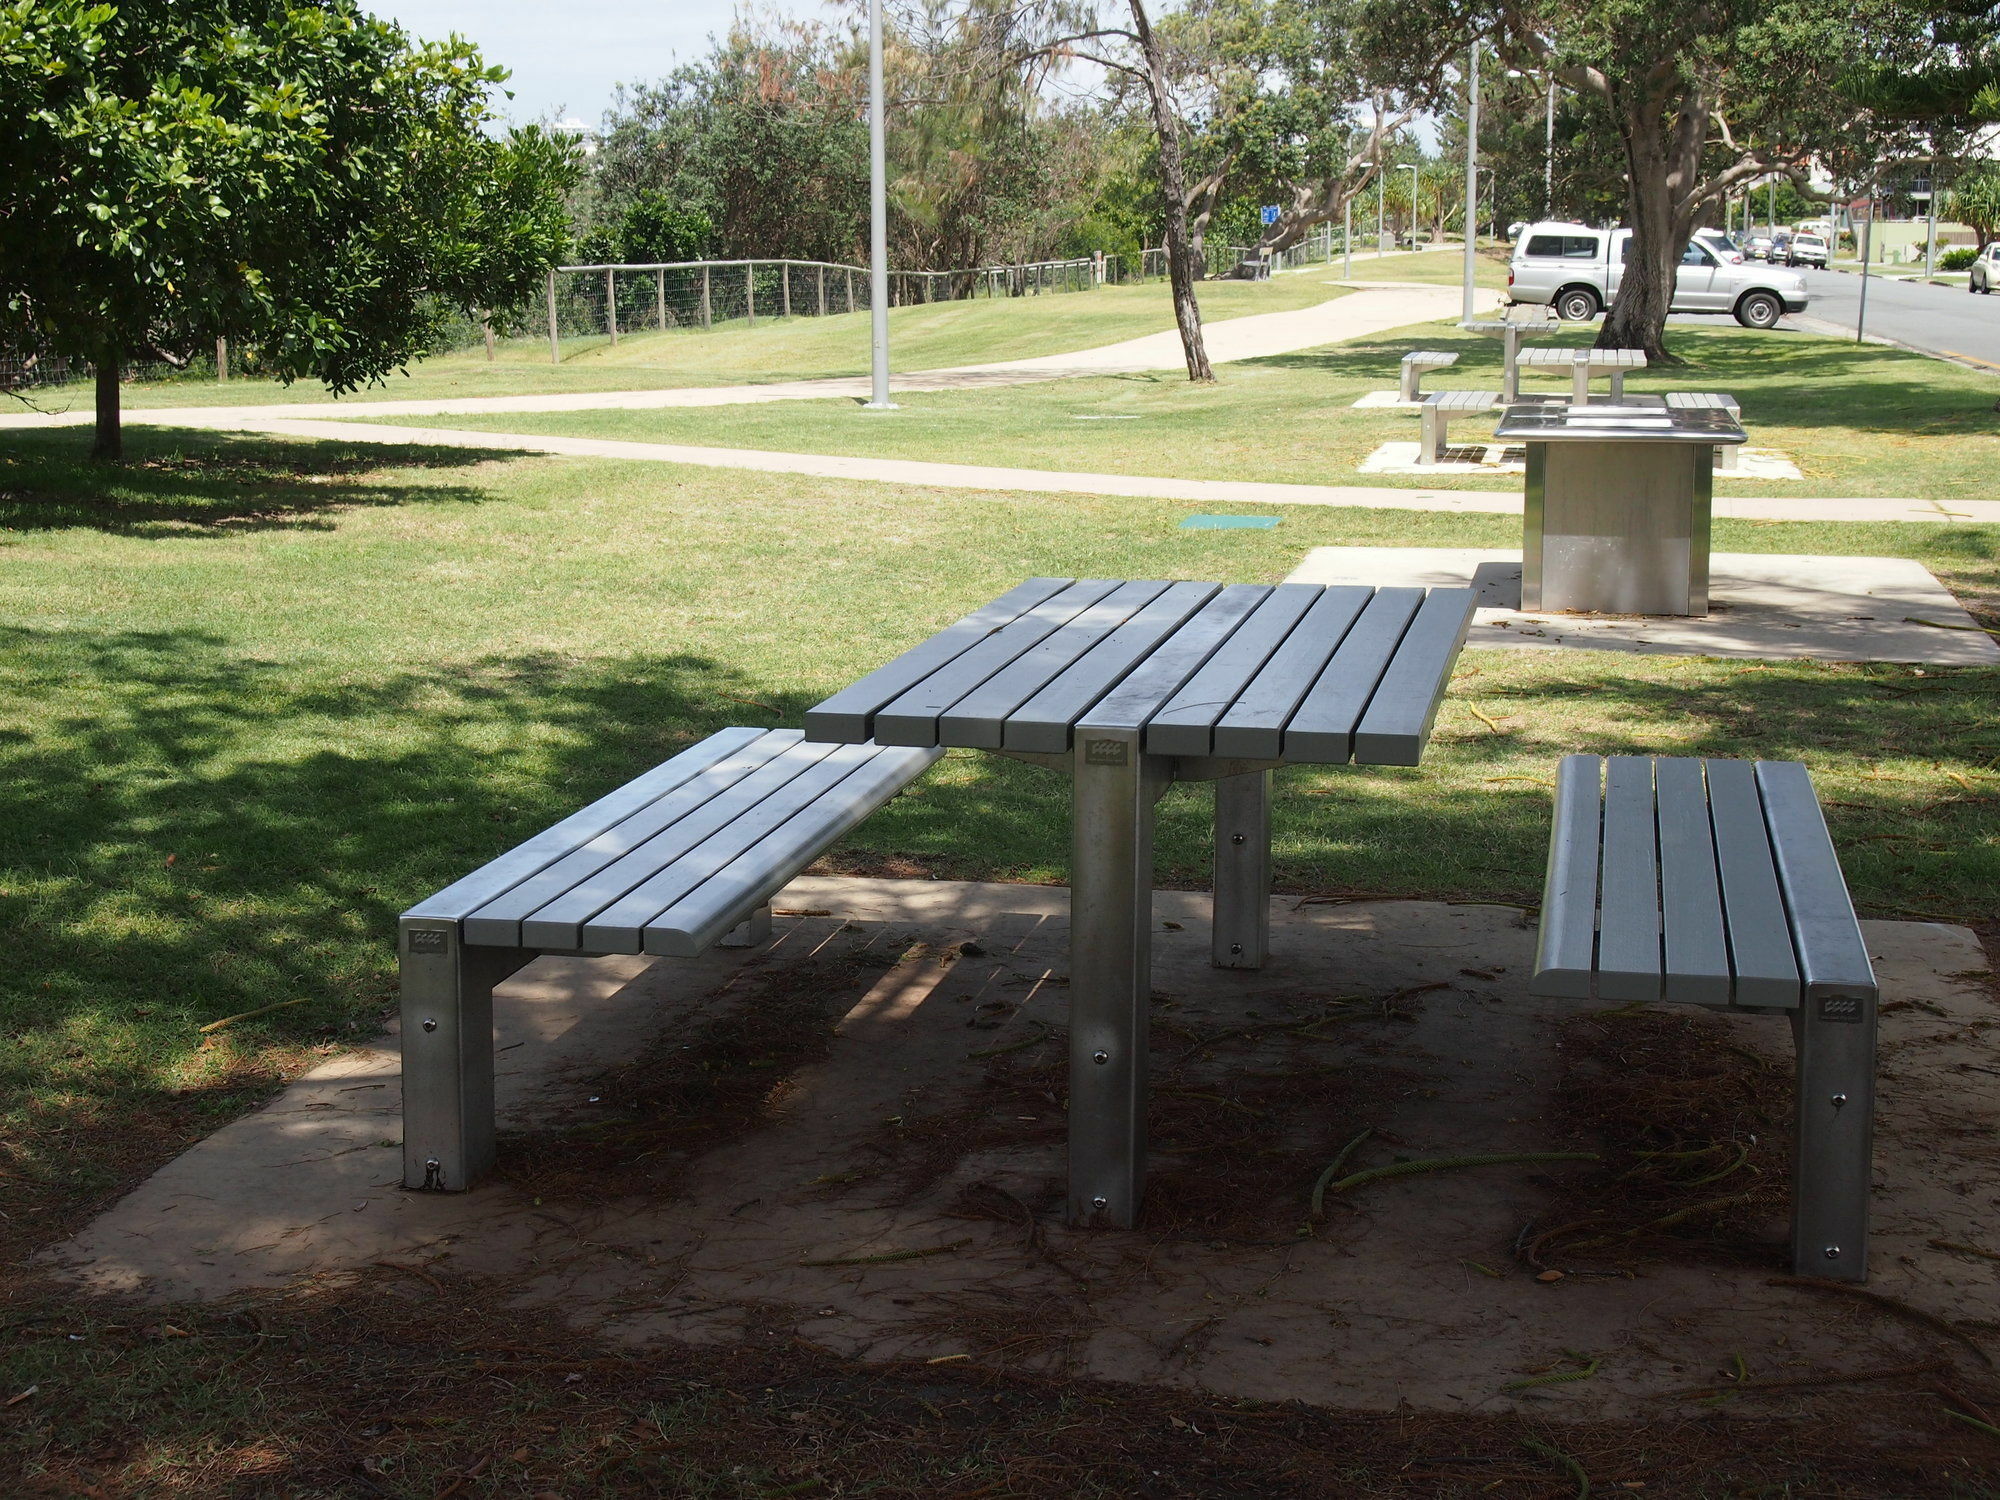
column 1362, row 314
column 1051, row 481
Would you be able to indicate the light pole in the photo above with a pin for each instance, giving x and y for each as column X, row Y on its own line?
column 1471, row 170
column 1381, row 181
column 1549, row 157
column 1413, row 171
column 878, row 224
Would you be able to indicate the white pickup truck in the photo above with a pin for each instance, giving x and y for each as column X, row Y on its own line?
column 1576, row 270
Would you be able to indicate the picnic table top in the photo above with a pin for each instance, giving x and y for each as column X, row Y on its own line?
column 1642, row 421
column 1284, row 673
column 1599, row 359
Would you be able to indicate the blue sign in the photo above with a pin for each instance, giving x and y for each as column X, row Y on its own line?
column 1270, row 213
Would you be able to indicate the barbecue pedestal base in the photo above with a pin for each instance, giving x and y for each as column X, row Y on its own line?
column 1617, row 528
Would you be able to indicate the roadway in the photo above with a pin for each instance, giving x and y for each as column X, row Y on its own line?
column 1937, row 319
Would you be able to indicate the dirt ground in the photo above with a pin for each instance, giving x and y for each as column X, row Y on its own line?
column 852, row 1141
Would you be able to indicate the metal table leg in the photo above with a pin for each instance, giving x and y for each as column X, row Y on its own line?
column 1510, row 365
column 1832, row 1154
column 1111, row 919
column 448, row 1053
column 1242, row 924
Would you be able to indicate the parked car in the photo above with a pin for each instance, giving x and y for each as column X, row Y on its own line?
column 1985, row 272
column 1759, row 248
column 1726, row 250
column 1806, row 250
column 1576, row 270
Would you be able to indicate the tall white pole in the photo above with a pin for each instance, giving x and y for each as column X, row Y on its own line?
column 1347, row 240
column 878, row 223
column 1471, row 170
column 1549, row 157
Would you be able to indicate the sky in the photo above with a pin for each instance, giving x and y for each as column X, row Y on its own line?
column 567, row 56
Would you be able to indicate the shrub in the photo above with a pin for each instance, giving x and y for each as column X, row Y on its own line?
column 1957, row 260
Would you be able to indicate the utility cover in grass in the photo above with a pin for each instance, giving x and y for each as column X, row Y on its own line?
column 1229, row 523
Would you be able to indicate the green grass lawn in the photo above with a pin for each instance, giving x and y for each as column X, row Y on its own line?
column 1860, row 420
column 924, row 337
column 257, row 696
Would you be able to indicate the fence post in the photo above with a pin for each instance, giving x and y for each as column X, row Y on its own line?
column 785, row 289
column 822, row 291
column 486, row 324
column 704, row 297
column 555, row 344
column 660, row 295
column 850, row 291
column 222, row 359
column 750, row 292
column 611, row 303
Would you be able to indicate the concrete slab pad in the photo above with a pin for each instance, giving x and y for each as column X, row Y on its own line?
column 1494, row 458
column 851, row 1215
column 1824, row 608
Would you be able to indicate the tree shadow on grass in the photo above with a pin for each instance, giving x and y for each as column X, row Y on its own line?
column 176, row 483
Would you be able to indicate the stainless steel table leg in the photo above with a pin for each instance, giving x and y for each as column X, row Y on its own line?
column 1242, row 923
column 1111, row 922
column 1510, row 365
column 448, row 1053
column 1833, row 1150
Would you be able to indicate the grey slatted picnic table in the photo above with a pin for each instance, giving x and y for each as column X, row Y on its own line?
column 1128, row 687
column 1585, row 365
column 1511, row 331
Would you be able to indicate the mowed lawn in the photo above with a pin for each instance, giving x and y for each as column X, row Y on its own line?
column 1859, row 420
column 256, row 696
column 733, row 353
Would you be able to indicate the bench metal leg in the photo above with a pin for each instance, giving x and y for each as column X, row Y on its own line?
column 1510, row 365
column 448, row 1053
column 1617, row 387
column 1728, row 455
column 1833, row 1156
column 1430, row 437
column 1579, row 384
column 1406, row 384
column 1111, row 922
column 752, row 932
column 1242, row 924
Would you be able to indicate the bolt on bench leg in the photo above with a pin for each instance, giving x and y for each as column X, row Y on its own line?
column 752, row 932
column 1242, row 921
column 448, row 1054
column 1832, row 1160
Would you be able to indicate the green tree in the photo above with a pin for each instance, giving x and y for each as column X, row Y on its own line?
column 289, row 173
column 1975, row 203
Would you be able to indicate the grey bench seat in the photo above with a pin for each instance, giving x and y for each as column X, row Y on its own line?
column 681, row 858
column 1439, row 408
column 1727, row 455
column 1415, row 363
column 1715, row 882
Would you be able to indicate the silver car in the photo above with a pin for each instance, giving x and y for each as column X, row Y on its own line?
column 1985, row 271
column 1576, row 270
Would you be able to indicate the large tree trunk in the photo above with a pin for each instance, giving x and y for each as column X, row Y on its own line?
column 1181, row 269
column 110, row 439
column 1662, row 157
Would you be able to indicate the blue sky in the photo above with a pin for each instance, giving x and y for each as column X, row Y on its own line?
column 568, row 55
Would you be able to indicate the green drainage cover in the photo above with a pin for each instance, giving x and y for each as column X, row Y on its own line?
column 1229, row 523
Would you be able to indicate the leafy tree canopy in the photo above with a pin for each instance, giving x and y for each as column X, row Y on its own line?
column 290, row 173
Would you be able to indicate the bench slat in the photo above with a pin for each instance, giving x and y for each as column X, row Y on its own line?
column 1760, row 935
column 617, row 927
column 1186, row 726
column 850, row 713
column 694, row 922
column 912, row 717
column 557, row 921
column 764, row 762
column 1043, row 722
column 1628, row 943
column 1566, row 950
column 979, row 719
column 1697, row 947
column 1254, row 727
column 1397, row 724
column 1832, row 954
column 1145, row 692
column 1323, row 729
column 500, row 875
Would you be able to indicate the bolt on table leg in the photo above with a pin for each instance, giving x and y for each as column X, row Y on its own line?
column 1242, row 925
column 1111, row 921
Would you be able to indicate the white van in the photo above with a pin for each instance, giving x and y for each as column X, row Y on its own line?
column 1576, row 270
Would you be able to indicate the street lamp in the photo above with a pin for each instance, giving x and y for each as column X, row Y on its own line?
column 878, row 225
column 1471, row 169
column 1413, row 171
